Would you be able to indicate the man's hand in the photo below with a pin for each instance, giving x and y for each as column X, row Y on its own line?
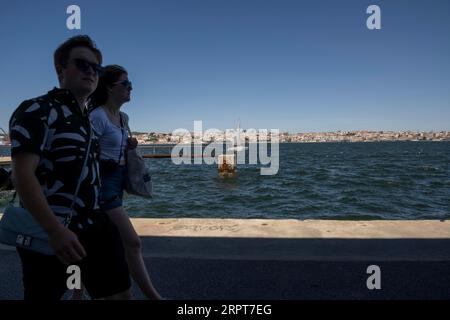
column 66, row 245
column 132, row 143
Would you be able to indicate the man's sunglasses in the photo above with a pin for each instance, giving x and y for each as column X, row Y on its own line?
column 84, row 66
column 126, row 84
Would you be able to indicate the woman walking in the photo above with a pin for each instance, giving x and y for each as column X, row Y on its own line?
column 110, row 124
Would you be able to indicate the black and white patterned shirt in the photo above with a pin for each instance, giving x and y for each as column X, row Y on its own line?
column 54, row 127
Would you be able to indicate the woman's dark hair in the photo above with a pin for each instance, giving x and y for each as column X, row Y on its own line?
column 110, row 75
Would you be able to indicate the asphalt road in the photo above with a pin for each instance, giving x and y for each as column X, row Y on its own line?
column 203, row 278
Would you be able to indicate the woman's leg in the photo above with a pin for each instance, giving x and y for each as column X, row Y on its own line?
column 133, row 251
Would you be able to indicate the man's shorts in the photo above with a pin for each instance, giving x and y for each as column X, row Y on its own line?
column 104, row 270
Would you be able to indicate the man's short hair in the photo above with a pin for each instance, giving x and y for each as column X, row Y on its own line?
column 62, row 53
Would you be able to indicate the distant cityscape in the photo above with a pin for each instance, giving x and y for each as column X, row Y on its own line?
column 285, row 137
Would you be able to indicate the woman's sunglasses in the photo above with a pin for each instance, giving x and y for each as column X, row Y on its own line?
column 126, row 84
column 84, row 66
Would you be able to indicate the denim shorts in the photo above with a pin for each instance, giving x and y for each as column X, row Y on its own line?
column 112, row 185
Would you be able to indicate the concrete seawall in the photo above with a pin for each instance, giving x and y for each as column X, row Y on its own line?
column 279, row 239
column 284, row 259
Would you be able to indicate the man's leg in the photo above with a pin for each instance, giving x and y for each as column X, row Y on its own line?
column 44, row 277
column 104, row 270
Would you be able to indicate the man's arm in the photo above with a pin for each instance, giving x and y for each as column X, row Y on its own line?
column 64, row 242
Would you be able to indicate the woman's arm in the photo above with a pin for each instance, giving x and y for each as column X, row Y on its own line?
column 132, row 142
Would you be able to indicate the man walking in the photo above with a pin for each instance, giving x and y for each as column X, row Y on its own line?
column 49, row 137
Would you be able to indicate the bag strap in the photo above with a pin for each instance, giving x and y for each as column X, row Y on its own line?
column 126, row 126
column 130, row 135
column 68, row 218
column 86, row 157
column 121, row 142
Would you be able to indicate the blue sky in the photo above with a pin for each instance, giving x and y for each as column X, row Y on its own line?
column 299, row 66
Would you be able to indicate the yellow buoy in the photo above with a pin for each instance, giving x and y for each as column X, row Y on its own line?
column 227, row 165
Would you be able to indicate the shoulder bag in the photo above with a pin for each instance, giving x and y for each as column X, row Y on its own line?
column 19, row 228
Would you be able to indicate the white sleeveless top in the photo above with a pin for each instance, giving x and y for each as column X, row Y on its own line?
column 111, row 137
